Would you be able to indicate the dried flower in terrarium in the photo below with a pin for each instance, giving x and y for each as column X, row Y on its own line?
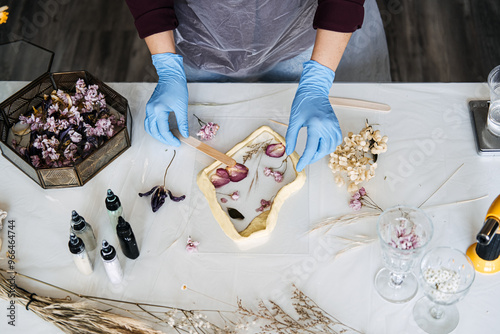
column 357, row 156
column 66, row 128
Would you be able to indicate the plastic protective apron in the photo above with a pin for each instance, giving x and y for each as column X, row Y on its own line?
column 268, row 40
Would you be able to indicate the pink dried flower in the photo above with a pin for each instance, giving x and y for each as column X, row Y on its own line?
column 192, row 246
column 356, row 195
column 75, row 136
column 278, row 177
column 404, row 237
column 275, row 150
column 263, row 205
column 235, row 195
column 362, row 191
column 207, row 130
column 355, row 204
column 237, row 173
column 35, row 160
column 220, row 178
column 267, row 171
column 223, row 200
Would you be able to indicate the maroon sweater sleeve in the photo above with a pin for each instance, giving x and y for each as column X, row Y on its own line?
column 153, row 16
column 339, row 15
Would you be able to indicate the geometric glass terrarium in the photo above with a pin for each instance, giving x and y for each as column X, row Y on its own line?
column 83, row 169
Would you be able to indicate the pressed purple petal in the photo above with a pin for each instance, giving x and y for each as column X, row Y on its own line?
column 149, row 192
column 237, row 173
column 174, row 198
column 220, row 178
column 158, row 198
column 275, row 150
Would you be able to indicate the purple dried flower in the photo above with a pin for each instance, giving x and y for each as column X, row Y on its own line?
column 405, row 237
column 208, row 131
column 356, row 195
column 263, row 205
column 220, row 178
column 267, row 171
column 223, row 200
column 237, row 173
column 75, row 136
column 160, row 193
column 355, row 204
column 278, row 177
column 235, row 196
column 35, row 160
column 362, row 191
column 275, row 150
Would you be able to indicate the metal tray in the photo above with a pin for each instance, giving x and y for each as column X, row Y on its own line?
column 486, row 143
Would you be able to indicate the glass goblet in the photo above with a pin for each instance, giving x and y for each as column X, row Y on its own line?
column 403, row 233
column 446, row 274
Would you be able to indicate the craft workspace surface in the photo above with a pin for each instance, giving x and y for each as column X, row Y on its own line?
column 430, row 137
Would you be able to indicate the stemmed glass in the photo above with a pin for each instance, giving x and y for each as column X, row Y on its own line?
column 446, row 274
column 403, row 233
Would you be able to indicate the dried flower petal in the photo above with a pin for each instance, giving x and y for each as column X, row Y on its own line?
column 235, row 196
column 355, row 204
column 191, row 247
column 149, row 192
column 175, row 198
column 275, row 150
column 220, row 178
column 237, row 173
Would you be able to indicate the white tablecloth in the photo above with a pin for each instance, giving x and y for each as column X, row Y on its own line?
column 430, row 136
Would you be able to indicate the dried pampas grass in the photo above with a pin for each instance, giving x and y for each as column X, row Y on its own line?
column 73, row 317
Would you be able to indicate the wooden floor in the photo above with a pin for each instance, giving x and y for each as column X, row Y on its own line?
column 428, row 40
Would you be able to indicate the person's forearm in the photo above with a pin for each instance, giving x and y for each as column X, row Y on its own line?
column 329, row 47
column 161, row 42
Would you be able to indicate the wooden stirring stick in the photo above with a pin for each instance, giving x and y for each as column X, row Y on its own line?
column 202, row 147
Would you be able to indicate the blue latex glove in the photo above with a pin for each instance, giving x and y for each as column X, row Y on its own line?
column 312, row 109
column 170, row 95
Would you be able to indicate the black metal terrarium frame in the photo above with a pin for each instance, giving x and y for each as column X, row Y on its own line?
column 22, row 103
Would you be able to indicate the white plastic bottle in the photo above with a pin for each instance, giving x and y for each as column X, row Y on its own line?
column 80, row 255
column 114, row 208
column 111, row 263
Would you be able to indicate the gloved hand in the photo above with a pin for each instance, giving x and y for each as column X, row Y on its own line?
column 170, row 95
column 312, row 109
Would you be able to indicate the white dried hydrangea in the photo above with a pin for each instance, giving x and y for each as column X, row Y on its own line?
column 353, row 159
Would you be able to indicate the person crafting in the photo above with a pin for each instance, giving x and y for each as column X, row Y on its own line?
column 256, row 40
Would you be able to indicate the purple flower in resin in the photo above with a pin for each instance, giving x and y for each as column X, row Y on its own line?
column 275, row 150
column 278, row 177
column 263, row 205
column 160, row 193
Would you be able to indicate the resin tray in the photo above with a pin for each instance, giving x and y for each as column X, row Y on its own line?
column 254, row 188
